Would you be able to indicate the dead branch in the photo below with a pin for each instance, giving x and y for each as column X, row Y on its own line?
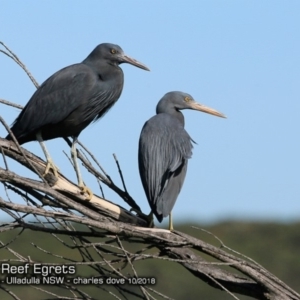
column 99, row 236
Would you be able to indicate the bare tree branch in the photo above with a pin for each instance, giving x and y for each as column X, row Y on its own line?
column 98, row 236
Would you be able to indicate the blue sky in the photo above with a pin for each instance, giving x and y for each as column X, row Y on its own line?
column 239, row 57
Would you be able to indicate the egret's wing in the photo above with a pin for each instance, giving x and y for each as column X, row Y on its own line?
column 55, row 99
column 164, row 149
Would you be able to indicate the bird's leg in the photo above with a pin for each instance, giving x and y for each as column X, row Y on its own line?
column 82, row 186
column 150, row 220
column 170, row 222
column 50, row 163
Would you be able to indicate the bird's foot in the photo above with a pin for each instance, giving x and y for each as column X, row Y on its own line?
column 51, row 166
column 85, row 190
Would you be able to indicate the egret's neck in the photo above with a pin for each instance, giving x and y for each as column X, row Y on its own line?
column 106, row 71
column 173, row 112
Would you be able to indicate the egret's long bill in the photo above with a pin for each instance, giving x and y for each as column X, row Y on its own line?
column 206, row 109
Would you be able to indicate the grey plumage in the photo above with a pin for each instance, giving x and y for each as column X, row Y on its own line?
column 164, row 150
column 71, row 99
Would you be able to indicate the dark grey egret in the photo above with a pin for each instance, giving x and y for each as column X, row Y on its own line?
column 71, row 99
column 164, row 150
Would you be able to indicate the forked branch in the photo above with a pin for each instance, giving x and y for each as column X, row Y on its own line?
column 101, row 238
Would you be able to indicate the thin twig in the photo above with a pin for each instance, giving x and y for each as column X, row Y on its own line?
column 9, row 292
column 11, row 104
column 95, row 160
column 120, row 172
column 21, row 150
column 14, row 57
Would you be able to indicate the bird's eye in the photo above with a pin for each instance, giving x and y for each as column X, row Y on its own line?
column 113, row 51
column 187, row 99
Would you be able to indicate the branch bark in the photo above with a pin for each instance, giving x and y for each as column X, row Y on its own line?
column 114, row 220
column 57, row 205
